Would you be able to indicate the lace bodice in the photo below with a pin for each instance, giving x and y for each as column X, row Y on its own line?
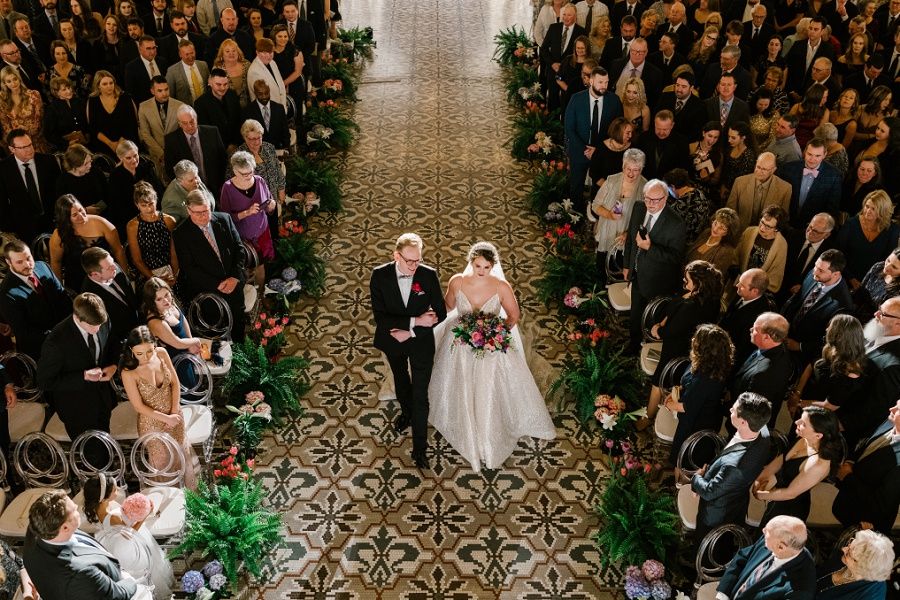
column 463, row 306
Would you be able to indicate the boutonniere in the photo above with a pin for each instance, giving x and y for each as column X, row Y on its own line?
column 416, row 289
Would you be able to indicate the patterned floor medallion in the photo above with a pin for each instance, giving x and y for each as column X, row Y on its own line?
column 360, row 520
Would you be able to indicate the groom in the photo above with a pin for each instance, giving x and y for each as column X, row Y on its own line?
column 408, row 302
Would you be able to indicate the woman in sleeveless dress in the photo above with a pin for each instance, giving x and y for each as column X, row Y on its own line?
column 482, row 406
column 153, row 389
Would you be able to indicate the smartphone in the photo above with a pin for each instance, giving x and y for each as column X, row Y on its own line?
column 642, row 231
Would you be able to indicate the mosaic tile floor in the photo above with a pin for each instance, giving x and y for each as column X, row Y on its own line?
column 361, row 521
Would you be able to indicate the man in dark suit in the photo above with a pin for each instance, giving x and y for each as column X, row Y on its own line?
column 157, row 19
column 12, row 57
column 820, row 73
column 768, row 371
column 667, row 58
column 678, row 26
column 617, row 47
column 726, row 103
column 46, row 21
column 588, row 116
column 664, row 149
column 803, row 251
column 654, row 253
column 76, row 366
column 67, row 564
column 200, row 144
column 228, row 30
column 888, row 17
column 168, row 45
column 220, row 107
column 141, row 70
column 724, row 485
column 777, row 566
column 276, row 128
column 871, row 76
column 407, row 303
column 35, row 50
column 683, row 103
column 28, row 188
column 758, row 32
column 618, row 13
column 802, row 54
column 751, row 301
column 815, row 185
column 559, row 43
column 636, row 65
column 728, row 65
column 106, row 279
column 211, row 258
column 32, row 300
column 891, row 62
column 869, row 481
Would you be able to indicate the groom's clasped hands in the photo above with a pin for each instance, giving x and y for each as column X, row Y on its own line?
column 429, row 318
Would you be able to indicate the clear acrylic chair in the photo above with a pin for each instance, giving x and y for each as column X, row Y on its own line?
column 196, row 403
column 104, row 456
column 211, row 319
column 716, row 550
column 161, row 482
column 666, row 421
column 699, row 449
column 27, row 416
column 41, row 465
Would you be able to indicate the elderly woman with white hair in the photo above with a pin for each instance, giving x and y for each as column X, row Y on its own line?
column 187, row 179
column 267, row 166
column 611, row 209
column 835, row 152
column 130, row 170
column 858, row 571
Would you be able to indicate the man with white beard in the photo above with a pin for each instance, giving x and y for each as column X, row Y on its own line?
column 883, row 351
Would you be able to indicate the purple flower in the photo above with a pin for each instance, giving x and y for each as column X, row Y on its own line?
column 637, row 587
column 217, row 581
column 653, row 570
column 632, row 572
column 214, row 567
column 289, row 274
column 660, row 590
column 192, row 581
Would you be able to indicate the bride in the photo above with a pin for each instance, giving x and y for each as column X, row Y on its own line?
column 482, row 406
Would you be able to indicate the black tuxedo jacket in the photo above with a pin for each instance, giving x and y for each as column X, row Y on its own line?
column 31, row 314
column 176, row 148
column 224, row 115
column 618, row 12
column 858, row 82
column 74, row 571
column 741, row 78
column 794, row 272
column 43, row 50
column 657, row 270
column 81, row 404
column 809, row 328
column 612, row 51
column 796, row 579
column 16, row 212
column 798, row 74
column 168, row 46
column 738, row 320
column 137, row 79
column 278, row 134
column 391, row 313
column 724, row 488
column 657, row 60
column 872, row 491
column 685, row 38
column 824, row 193
column 552, row 50
column 692, row 117
column 150, row 27
column 838, row 25
column 650, row 75
column 123, row 317
column 882, row 391
column 663, row 155
column 28, row 73
column 768, row 374
column 201, row 270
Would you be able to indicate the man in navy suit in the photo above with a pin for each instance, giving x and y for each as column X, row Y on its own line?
column 32, row 300
column 407, row 303
column 724, row 485
column 869, row 481
column 777, row 566
column 275, row 129
column 588, row 116
column 816, row 185
column 559, row 43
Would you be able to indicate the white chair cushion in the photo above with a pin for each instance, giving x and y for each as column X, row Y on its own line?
column 56, row 429
column 14, row 520
column 688, row 505
column 25, row 418
column 619, row 295
column 250, row 294
column 665, row 424
column 198, row 423
column 86, row 526
column 650, row 356
column 226, row 353
column 755, row 511
column 123, row 422
column 821, row 498
column 170, row 504
column 707, row 591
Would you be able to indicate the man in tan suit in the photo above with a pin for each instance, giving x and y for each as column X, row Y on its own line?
column 751, row 193
column 157, row 117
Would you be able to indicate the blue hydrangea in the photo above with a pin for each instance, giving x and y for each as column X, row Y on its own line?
column 637, row 587
column 276, row 284
column 192, row 581
column 289, row 274
column 213, row 567
column 660, row 590
column 217, row 581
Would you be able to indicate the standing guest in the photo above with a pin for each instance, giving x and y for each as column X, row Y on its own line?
column 220, row 108
column 231, row 59
column 706, row 154
column 717, row 244
column 688, row 109
column 634, row 104
column 810, row 112
column 290, row 63
column 785, row 146
column 752, row 300
column 211, row 258
column 64, row 118
column 26, row 197
column 558, row 44
column 880, row 283
column 868, row 77
column 156, row 118
column 186, row 180
column 665, row 149
column 668, row 58
column 150, row 237
column 804, row 250
column 108, row 51
column 751, row 193
column 206, row 16
column 599, row 36
column 816, row 185
column 835, row 153
column 859, row 570
column 82, row 179
column 32, row 300
column 549, row 13
column 689, row 202
column 21, row 108
column 730, row 64
column 762, row 118
column 269, row 113
column 852, row 62
column 774, row 83
column 768, row 58
column 107, row 280
column 636, row 65
column 699, row 13
column 139, row 73
column 111, row 115
column 123, row 178
column 843, row 115
column 724, row 106
column 802, row 55
column 200, row 144
column 740, row 159
column 228, row 32
column 607, row 157
column 267, row 166
column 570, row 81
column 612, row 206
column 86, row 23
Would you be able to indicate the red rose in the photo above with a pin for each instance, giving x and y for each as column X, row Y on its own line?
column 416, row 288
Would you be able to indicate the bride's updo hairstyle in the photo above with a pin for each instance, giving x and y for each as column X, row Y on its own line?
column 96, row 490
column 484, row 250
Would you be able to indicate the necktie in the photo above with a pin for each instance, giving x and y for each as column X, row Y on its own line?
column 32, row 188
column 215, row 7
column 805, row 254
column 92, row 348
column 266, row 114
column 589, row 20
column 198, row 156
column 162, row 114
column 810, row 300
column 117, row 291
column 595, row 120
column 196, row 82
column 648, row 224
column 291, row 31
column 36, row 284
column 755, row 576
column 153, row 71
column 303, row 10
column 666, row 61
column 212, row 241
column 630, row 9
column 634, row 72
column 724, row 114
column 894, row 64
column 755, row 32
column 159, row 24
column 54, row 21
column 565, row 40
column 679, row 104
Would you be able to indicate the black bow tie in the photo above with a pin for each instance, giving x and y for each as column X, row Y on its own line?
column 405, row 276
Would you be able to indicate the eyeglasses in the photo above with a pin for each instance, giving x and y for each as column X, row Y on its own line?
column 410, row 262
column 649, row 199
column 25, row 147
column 884, row 314
column 247, row 174
column 766, row 226
column 199, row 213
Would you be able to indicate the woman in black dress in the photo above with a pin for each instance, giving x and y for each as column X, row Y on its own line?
column 111, row 115
column 123, row 179
column 108, row 48
column 14, row 575
column 863, row 179
column 289, row 61
column 82, row 179
column 880, row 283
column 64, row 121
column 607, row 158
column 150, row 237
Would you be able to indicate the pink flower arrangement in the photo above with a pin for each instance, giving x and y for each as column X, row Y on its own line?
column 610, row 411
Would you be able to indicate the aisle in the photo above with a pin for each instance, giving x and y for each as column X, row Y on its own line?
column 362, row 522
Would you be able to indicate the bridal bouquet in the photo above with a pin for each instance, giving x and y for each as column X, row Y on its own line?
column 482, row 333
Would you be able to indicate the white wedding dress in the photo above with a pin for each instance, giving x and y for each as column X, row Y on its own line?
column 483, row 406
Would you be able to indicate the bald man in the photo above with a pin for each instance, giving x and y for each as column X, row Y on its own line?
column 559, row 44
column 753, row 192
column 758, row 32
column 821, row 73
column 677, row 24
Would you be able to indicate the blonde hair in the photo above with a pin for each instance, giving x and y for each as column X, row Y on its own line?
column 642, row 93
column 6, row 98
column 100, row 76
column 409, row 240
column 884, row 208
column 220, row 55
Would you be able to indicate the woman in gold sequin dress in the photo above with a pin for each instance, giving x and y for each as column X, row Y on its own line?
column 152, row 386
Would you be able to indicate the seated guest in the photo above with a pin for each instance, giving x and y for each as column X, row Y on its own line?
column 791, row 572
column 786, row 482
column 843, row 116
column 150, row 237
column 21, row 108
column 81, row 179
column 607, row 157
column 717, row 244
column 211, row 259
column 75, row 232
column 64, row 68
column 869, row 480
column 634, row 104
column 186, row 180
column 724, row 485
column 835, row 153
column 65, row 563
column 166, row 320
column 763, row 247
column 136, row 549
column 16, row 582
column 824, row 293
column 803, row 251
column 76, row 365
column 111, row 115
column 32, row 300
column 752, row 300
column 785, row 146
column 64, row 117
column 612, row 206
column 753, row 192
column 107, row 280
column 880, row 283
column 123, row 179
column 739, row 156
column 815, row 185
column 665, row 149
column 698, row 399
column 886, row 142
column 689, row 202
column 868, row 236
column 26, row 211
column 865, row 179
column 859, row 570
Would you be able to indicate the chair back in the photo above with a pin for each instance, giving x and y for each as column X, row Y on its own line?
column 169, row 472
column 673, row 372
column 700, row 448
column 194, row 377
column 22, row 373
column 210, row 317
column 41, row 462
column 717, row 549
column 615, row 262
column 251, row 256
column 103, row 162
column 87, row 462
column 40, row 247
column 654, row 312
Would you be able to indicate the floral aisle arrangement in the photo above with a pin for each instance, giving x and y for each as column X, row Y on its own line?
column 550, row 184
column 297, row 261
column 534, row 132
column 251, row 422
column 306, row 175
column 209, row 583
column 359, row 40
column 648, row 582
column 330, row 127
column 281, row 382
column 482, row 333
column 514, row 46
column 570, row 262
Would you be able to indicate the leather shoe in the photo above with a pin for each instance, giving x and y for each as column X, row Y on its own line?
column 421, row 459
column 401, row 424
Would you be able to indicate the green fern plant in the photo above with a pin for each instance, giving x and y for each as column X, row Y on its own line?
column 529, row 123
column 299, row 252
column 507, row 41
column 282, row 382
column 519, row 77
column 577, row 268
column 228, row 522
column 343, row 128
column 363, row 44
column 550, row 185
column 322, row 177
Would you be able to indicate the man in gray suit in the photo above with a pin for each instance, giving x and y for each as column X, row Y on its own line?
column 187, row 78
column 157, row 117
